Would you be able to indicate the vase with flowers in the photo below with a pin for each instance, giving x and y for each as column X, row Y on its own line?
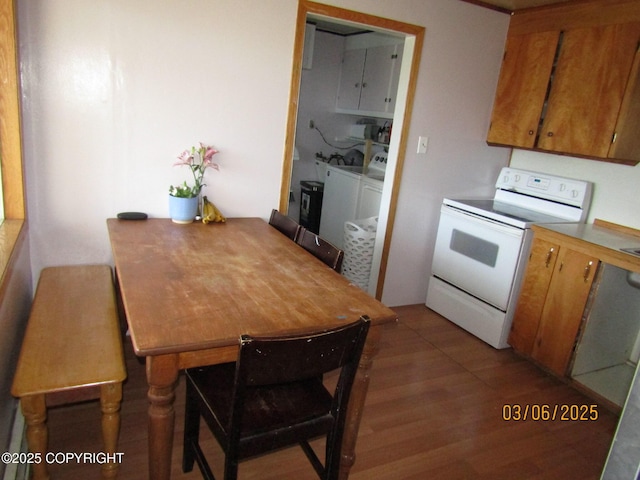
column 184, row 200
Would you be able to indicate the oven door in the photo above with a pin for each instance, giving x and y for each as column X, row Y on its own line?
column 477, row 255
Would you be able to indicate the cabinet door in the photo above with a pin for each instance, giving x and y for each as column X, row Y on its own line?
column 562, row 313
column 395, row 79
column 376, row 78
column 522, row 87
column 587, row 89
column 626, row 143
column 351, row 79
column 535, row 285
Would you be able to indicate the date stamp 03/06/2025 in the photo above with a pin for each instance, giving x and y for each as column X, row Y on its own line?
column 515, row 412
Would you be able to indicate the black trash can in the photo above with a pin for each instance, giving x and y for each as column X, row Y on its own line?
column 311, row 204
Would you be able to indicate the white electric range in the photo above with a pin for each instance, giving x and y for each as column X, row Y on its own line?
column 483, row 244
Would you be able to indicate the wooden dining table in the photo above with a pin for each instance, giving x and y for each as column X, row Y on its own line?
column 190, row 291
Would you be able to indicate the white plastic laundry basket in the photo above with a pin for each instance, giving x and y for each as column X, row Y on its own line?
column 359, row 240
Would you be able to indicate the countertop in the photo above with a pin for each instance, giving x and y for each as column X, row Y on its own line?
column 360, row 171
column 600, row 239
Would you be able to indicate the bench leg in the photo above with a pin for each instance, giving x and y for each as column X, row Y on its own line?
column 34, row 410
column 110, row 400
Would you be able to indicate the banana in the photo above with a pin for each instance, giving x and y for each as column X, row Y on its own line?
column 210, row 212
column 219, row 216
column 207, row 211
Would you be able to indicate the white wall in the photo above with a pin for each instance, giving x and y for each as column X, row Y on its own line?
column 615, row 192
column 114, row 91
column 459, row 70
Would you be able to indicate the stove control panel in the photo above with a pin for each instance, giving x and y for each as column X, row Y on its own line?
column 378, row 163
column 538, row 182
column 551, row 187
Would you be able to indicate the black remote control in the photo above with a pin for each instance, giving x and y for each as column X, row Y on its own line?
column 132, row 216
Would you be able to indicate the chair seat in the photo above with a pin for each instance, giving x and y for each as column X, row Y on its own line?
column 305, row 404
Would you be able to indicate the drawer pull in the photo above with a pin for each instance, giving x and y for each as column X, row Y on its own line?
column 548, row 259
column 587, row 271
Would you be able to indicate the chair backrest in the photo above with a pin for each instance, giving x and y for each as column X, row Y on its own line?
column 284, row 224
column 325, row 251
column 274, row 361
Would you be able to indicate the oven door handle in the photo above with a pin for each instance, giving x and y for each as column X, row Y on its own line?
column 481, row 221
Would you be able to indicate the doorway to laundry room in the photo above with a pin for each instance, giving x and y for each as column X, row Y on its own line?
column 352, row 87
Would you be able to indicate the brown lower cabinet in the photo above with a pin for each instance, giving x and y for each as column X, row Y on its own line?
column 554, row 294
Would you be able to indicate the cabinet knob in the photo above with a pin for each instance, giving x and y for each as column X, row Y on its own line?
column 587, row 271
column 364, row 84
column 549, row 134
column 357, row 85
column 530, row 132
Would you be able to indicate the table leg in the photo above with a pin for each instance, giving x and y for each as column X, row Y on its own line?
column 34, row 410
column 110, row 400
column 162, row 376
column 356, row 402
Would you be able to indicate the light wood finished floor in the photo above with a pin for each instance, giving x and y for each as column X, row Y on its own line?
column 434, row 410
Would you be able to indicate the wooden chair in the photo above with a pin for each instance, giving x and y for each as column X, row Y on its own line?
column 325, row 251
column 285, row 224
column 273, row 397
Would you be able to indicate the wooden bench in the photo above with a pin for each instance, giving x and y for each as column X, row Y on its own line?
column 72, row 351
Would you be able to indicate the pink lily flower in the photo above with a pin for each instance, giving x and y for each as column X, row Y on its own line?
column 207, row 155
column 197, row 167
column 186, row 158
column 208, row 151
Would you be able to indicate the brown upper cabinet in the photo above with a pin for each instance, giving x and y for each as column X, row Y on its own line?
column 522, row 88
column 571, row 89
